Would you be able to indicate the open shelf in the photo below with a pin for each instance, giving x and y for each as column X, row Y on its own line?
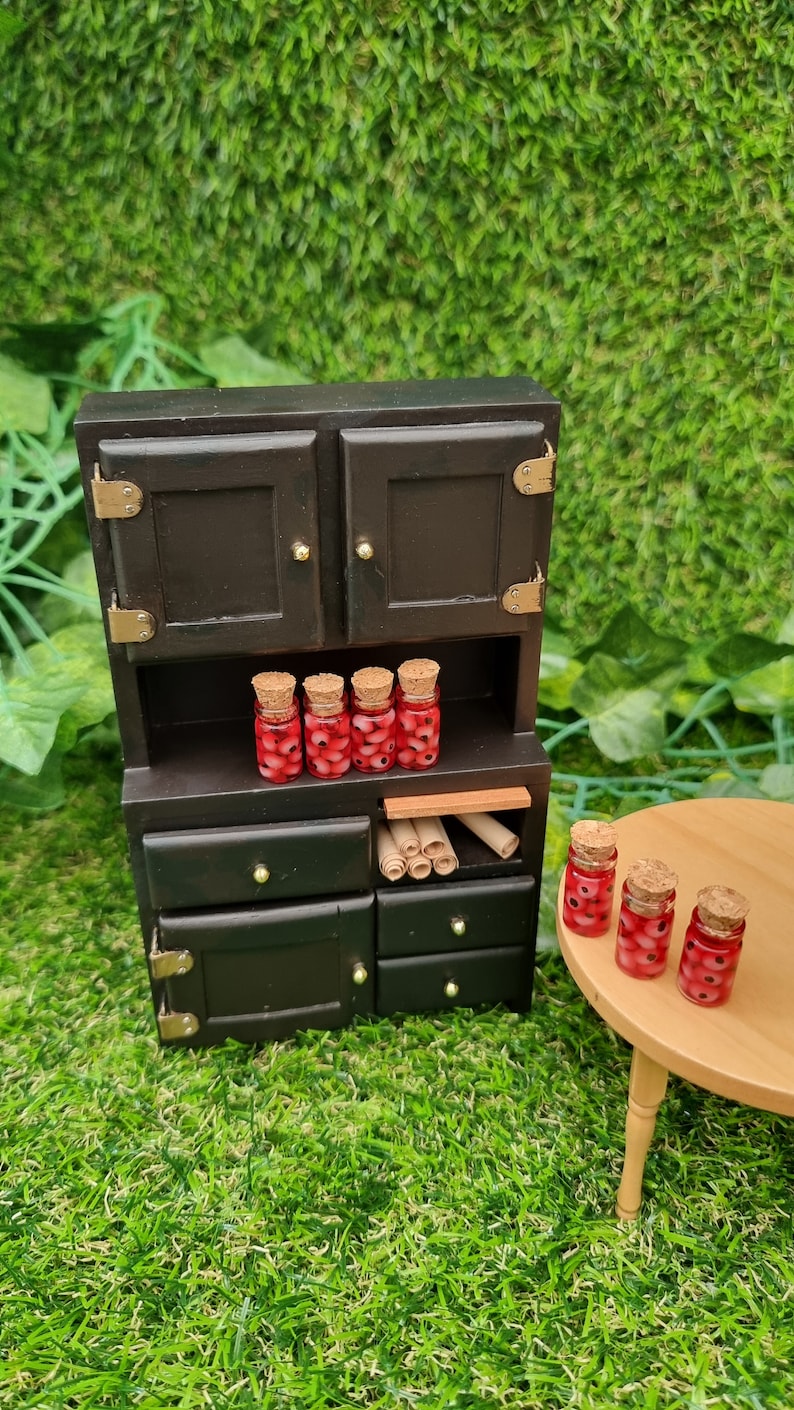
column 198, row 760
column 475, row 859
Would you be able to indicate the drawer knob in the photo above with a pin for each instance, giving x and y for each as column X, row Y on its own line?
column 365, row 550
column 451, row 989
column 360, row 975
column 457, row 925
column 261, row 873
column 301, row 552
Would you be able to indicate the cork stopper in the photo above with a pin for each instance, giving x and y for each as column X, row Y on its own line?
column 324, row 691
column 721, row 908
column 651, row 880
column 594, row 841
column 274, row 689
column 418, row 677
column 372, row 685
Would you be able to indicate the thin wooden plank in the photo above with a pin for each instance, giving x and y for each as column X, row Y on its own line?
column 476, row 800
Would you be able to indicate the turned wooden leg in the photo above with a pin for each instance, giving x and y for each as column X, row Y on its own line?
column 647, row 1085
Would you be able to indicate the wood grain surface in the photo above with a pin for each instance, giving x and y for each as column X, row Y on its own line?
column 745, row 1049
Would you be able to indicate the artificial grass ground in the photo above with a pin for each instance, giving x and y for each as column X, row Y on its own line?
column 402, row 1213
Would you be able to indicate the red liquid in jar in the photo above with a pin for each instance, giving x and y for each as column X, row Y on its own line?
column 418, row 729
column 327, row 741
column 279, row 753
column 374, row 737
column 588, row 894
column 708, row 962
column 643, row 939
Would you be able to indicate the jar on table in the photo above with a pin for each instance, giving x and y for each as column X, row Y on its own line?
column 647, row 909
column 373, row 720
column 326, row 725
column 712, row 946
column 418, row 714
column 590, row 878
column 277, row 727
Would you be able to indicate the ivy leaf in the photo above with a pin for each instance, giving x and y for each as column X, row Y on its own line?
column 30, row 708
column 786, row 633
column 630, row 727
column 725, row 785
column 630, row 640
column 602, row 683
column 81, row 647
column 37, row 794
column 25, row 399
column 559, row 669
column 767, row 691
column 234, row 363
column 777, row 781
column 743, row 652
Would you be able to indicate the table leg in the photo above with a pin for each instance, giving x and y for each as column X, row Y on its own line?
column 647, row 1085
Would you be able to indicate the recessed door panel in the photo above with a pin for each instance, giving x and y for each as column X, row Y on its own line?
column 224, row 553
column 437, row 530
column 266, row 971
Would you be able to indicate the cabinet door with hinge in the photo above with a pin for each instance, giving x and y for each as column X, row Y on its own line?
column 447, row 528
column 263, row 971
column 215, row 543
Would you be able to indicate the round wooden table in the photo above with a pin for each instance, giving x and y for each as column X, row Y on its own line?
column 743, row 1050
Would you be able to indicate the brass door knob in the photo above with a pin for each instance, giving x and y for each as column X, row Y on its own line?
column 359, row 975
column 457, row 925
column 451, row 989
column 301, row 552
column 261, row 873
column 365, row 550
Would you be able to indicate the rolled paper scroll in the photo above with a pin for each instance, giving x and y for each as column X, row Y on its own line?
column 499, row 838
column 431, row 835
column 420, row 867
column 404, row 834
column 392, row 865
column 446, row 861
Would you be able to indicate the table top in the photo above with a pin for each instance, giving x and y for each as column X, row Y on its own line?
column 745, row 1049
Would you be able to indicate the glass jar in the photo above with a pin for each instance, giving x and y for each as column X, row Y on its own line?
column 590, row 878
column 712, row 946
column 373, row 721
column 647, row 910
column 326, row 726
column 418, row 729
column 277, row 727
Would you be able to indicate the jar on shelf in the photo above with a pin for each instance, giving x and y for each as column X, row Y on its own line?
column 277, row 727
column 326, row 725
column 373, row 721
column 647, row 909
column 418, row 714
column 590, row 878
column 712, row 946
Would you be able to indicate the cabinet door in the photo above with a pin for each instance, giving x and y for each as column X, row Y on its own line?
column 264, row 972
column 448, row 530
column 217, row 554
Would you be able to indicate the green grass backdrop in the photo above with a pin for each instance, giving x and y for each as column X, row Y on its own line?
column 598, row 194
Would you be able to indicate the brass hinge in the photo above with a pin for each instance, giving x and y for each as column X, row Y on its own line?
column 526, row 597
column 168, row 964
column 126, row 624
column 115, row 499
column 176, row 1025
column 537, row 476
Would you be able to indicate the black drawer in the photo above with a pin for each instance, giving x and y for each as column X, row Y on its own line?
column 456, row 916
column 266, row 971
column 222, row 866
column 500, row 975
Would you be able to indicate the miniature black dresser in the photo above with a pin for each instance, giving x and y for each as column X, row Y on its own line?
column 318, row 529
